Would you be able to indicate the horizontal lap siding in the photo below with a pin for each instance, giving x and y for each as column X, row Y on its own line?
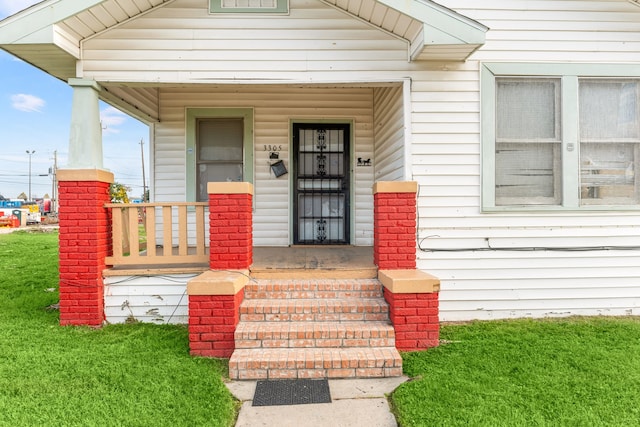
column 484, row 284
column 181, row 41
column 274, row 107
column 153, row 299
column 389, row 134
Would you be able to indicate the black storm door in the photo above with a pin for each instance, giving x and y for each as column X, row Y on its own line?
column 321, row 187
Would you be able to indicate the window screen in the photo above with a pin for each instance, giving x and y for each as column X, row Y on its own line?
column 527, row 158
column 609, row 141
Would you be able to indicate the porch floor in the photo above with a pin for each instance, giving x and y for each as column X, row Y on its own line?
column 336, row 262
column 294, row 262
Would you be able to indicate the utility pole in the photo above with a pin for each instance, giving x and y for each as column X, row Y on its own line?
column 30, row 153
column 144, row 182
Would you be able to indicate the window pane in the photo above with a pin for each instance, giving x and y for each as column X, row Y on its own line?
column 609, row 142
column 217, row 172
column 609, row 110
column 220, row 139
column 527, row 109
column 526, row 173
column 249, row 4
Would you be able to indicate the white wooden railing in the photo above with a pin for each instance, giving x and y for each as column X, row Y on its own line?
column 131, row 220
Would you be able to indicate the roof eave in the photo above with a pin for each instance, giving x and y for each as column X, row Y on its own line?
column 442, row 29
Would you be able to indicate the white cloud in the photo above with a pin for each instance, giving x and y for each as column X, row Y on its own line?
column 111, row 118
column 27, row 103
column 9, row 7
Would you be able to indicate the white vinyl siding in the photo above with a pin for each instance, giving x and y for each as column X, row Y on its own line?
column 182, row 41
column 150, row 299
column 389, row 134
column 492, row 284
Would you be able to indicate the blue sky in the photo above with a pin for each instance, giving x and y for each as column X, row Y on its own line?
column 35, row 110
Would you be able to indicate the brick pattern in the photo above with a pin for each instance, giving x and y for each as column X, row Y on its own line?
column 314, row 310
column 415, row 320
column 394, row 231
column 315, row 363
column 314, row 329
column 212, row 323
column 363, row 288
column 314, row 334
column 231, row 231
column 85, row 241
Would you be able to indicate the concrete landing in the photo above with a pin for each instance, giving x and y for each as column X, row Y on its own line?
column 354, row 403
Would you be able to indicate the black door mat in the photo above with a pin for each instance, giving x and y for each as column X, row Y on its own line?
column 291, row 392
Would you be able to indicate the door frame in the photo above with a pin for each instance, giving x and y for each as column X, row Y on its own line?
column 351, row 193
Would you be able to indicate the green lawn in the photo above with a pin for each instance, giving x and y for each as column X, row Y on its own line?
column 119, row 375
column 563, row 372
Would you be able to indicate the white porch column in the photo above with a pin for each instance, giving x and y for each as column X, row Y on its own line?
column 85, row 138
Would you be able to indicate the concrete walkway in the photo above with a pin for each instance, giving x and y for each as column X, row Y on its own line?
column 354, row 403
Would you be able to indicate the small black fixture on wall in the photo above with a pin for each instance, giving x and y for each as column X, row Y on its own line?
column 279, row 168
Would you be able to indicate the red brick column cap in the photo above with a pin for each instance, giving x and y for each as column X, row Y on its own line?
column 395, row 187
column 218, row 282
column 409, row 281
column 230, row 188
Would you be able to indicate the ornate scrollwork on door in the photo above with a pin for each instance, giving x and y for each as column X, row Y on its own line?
column 322, row 165
column 321, row 230
column 322, row 139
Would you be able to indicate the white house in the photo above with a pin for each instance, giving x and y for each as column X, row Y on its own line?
column 519, row 121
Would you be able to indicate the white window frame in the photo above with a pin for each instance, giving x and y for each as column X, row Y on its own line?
column 570, row 152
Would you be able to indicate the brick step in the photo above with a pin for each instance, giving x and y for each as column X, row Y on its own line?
column 314, row 310
column 327, row 288
column 358, row 362
column 314, row 334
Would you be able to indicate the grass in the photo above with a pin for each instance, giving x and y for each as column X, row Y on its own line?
column 562, row 372
column 133, row 375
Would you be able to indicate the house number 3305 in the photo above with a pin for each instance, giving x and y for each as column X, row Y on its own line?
column 273, row 148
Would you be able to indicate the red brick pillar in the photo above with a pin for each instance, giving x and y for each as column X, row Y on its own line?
column 412, row 295
column 230, row 225
column 214, row 311
column 85, row 241
column 413, row 301
column 394, row 224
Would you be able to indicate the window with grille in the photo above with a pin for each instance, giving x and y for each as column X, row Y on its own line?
column 557, row 139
